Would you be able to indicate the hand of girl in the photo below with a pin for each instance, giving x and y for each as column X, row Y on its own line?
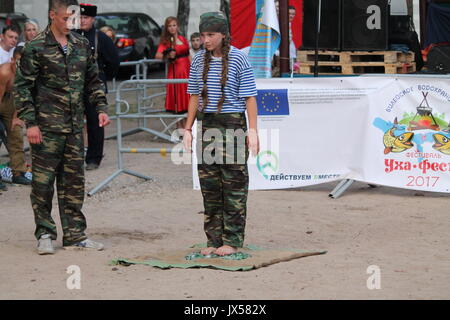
column 253, row 142
column 187, row 140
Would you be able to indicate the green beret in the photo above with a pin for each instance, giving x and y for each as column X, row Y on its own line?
column 214, row 22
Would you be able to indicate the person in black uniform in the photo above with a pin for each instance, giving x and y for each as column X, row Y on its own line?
column 107, row 59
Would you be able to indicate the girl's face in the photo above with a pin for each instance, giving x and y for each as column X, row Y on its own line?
column 30, row 31
column 172, row 27
column 212, row 41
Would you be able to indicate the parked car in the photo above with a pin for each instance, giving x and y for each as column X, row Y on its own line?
column 17, row 19
column 137, row 34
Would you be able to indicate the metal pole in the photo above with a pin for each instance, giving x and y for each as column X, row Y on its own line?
column 340, row 188
column 119, row 130
column 138, row 95
column 284, row 28
column 423, row 22
column 316, row 56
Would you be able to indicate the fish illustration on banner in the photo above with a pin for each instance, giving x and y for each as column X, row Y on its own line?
column 397, row 143
column 442, row 143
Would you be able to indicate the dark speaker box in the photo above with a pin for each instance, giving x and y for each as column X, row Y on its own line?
column 400, row 24
column 330, row 31
column 438, row 59
column 365, row 24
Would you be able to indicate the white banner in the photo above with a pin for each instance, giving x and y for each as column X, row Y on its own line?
column 381, row 130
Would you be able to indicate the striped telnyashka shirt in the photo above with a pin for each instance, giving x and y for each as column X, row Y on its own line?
column 240, row 84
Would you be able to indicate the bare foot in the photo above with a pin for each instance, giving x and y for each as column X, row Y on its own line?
column 225, row 250
column 207, row 251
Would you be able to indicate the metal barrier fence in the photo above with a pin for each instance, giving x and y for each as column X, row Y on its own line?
column 141, row 71
column 120, row 115
column 142, row 98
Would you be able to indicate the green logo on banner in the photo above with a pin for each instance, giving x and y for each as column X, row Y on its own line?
column 267, row 160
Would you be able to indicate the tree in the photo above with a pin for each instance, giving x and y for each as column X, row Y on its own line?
column 225, row 8
column 183, row 16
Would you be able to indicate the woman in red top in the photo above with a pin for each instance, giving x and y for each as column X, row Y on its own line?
column 174, row 48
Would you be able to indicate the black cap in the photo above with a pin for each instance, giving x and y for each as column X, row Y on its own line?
column 88, row 10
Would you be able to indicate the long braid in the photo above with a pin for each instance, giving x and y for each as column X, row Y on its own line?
column 224, row 79
column 206, row 63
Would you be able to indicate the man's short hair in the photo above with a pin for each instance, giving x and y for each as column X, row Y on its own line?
column 195, row 35
column 11, row 28
column 18, row 51
column 292, row 7
column 56, row 4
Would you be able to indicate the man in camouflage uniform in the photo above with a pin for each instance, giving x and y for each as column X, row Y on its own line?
column 55, row 71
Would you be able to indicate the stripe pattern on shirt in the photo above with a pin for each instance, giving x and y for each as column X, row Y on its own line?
column 240, row 83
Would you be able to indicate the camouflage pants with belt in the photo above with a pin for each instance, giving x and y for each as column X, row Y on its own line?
column 60, row 156
column 223, row 175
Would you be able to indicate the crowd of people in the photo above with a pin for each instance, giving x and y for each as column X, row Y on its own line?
column 54, row 82
column 102, row 43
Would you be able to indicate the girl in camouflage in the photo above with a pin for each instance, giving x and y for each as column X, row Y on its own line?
column 222, row 88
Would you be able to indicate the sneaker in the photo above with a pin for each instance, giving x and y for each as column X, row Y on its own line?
column 45, row 245
column 87, row 244
column 91, row 166
column 20, row 179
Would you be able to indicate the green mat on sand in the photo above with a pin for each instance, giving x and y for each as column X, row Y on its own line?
column 248, row 258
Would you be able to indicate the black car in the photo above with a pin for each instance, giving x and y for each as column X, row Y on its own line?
column 16, row 19
column 137, row 35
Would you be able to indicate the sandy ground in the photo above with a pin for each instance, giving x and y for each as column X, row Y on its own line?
column 404, row 233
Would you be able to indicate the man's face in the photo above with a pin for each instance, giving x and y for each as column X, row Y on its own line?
column 291, row 15
column 86, row 22
column 195, row 43
column 9, row 39
column 60, row 20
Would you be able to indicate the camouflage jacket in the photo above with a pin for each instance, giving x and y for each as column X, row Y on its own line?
column 49, row 85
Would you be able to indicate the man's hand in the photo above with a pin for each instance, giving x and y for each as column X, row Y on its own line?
column 17, row 122
column 103, row 119
column 34, row 135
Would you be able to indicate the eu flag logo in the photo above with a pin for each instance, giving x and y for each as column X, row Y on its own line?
column 273, row 102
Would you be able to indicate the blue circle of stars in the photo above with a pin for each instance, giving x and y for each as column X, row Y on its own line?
column 270, row 102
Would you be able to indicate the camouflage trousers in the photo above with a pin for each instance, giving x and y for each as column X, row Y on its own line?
column 60, row 156
column 14, row 135
column 224, row 183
